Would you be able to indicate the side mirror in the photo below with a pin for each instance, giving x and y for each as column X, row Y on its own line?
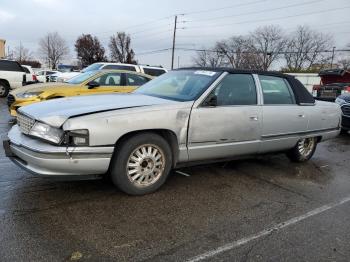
column 211, row 101
column 93, row 84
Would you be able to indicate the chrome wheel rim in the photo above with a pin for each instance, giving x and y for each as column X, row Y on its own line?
column 306, row 146
column 2, row 90
column 145, row 165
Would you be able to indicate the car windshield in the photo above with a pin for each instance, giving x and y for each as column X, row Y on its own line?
column 92, row 67
column 181, row 85
column 81, row 78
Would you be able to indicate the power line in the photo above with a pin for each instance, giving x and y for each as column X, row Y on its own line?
column 256, row 12
column 153, row 51
column 248, row 52
column 223, row 8
column 276, row 18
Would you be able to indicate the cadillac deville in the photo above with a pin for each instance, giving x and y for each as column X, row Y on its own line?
column 184, row 117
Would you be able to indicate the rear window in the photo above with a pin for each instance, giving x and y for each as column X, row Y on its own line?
column 10, row 66
column 153, row 71
column 120, row 67
column 26, row 70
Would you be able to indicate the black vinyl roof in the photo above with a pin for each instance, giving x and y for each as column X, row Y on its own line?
column 302, row 95
column 236, row 71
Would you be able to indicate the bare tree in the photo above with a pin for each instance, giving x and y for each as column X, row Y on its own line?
column 305, row 48
column 344, row 63
column 235, row 51
column 120, row 48
column 22, row 54
column 53, row 48
column 208, row 58
column 265, row 46
column 89, row 50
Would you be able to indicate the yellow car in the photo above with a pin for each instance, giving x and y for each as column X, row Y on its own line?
column 89, row 83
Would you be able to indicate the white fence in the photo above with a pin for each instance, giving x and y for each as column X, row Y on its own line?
column 308, row 79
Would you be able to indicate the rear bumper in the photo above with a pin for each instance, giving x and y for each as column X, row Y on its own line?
column 47, row 160
column 19, row 103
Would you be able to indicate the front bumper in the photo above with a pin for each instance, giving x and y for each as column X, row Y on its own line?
column 44, row 159
column 345, row 123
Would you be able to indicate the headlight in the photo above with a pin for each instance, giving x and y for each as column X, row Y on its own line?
column 340, row 101
column 28, row 94
column 77, row 137
column 46, row 132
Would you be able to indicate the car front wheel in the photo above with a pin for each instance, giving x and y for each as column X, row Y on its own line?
column 142, row 164
column 303, row 150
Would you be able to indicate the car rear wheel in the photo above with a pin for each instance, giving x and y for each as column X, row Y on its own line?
column 304, row 150
column 4, row 89
column 142, row 164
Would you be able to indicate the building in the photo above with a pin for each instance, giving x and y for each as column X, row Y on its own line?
column 2, row 48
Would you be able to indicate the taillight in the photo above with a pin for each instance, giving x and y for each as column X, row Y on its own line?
column 34, row 78
column 315, row 89
column 346, row 90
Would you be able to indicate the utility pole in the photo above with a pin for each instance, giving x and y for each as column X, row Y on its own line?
column 332, row 57
column 174, row 37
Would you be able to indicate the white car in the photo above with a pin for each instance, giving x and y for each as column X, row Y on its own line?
column 63, row 76
column 144, row 69
column 43, row 75
column 12, row 76
column 30, row 75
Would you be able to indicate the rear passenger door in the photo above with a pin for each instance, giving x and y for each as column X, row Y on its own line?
column 283, row 119
column 232, row 126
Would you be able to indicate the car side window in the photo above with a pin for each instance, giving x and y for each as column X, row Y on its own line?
column 236, row 89
column 110, row 79
column 153, row 72
column 6, row 65
column 136, row 80
column 120, row 67
column 276, row 90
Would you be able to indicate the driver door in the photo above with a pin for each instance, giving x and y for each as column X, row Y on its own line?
column 107, row 83
column 229, row 127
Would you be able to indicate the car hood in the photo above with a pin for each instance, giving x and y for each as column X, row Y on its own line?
column 39, row 87
column 56, row 112
column 345, row 97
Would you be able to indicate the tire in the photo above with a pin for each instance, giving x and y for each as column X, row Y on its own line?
column 142, row 164
column 303, row 150
column 4, row 89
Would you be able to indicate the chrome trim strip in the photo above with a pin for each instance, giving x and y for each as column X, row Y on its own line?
column 259, row 91
column 300, row 133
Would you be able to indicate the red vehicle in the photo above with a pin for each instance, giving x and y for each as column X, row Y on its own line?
column 334, row 82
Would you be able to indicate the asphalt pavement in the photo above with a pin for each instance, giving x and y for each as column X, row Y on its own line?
column 262, row 209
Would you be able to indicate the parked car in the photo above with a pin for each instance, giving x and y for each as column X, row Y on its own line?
column 93, row 82
column 183, row 117
column 145, row 69
column 30, row 75
column 12, row 76
column 334, row 82
column 43, row 75
column 344, row 102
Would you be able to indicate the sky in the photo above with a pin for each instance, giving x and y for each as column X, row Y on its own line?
column 150, row 23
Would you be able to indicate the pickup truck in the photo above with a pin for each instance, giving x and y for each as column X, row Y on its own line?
column 184, row 117
column 12, row 75
column 334, row 82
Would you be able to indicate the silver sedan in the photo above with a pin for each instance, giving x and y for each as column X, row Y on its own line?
column 184, row 117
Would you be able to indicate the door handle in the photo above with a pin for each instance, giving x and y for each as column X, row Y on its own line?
column 301, row 116
column 254, row 118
